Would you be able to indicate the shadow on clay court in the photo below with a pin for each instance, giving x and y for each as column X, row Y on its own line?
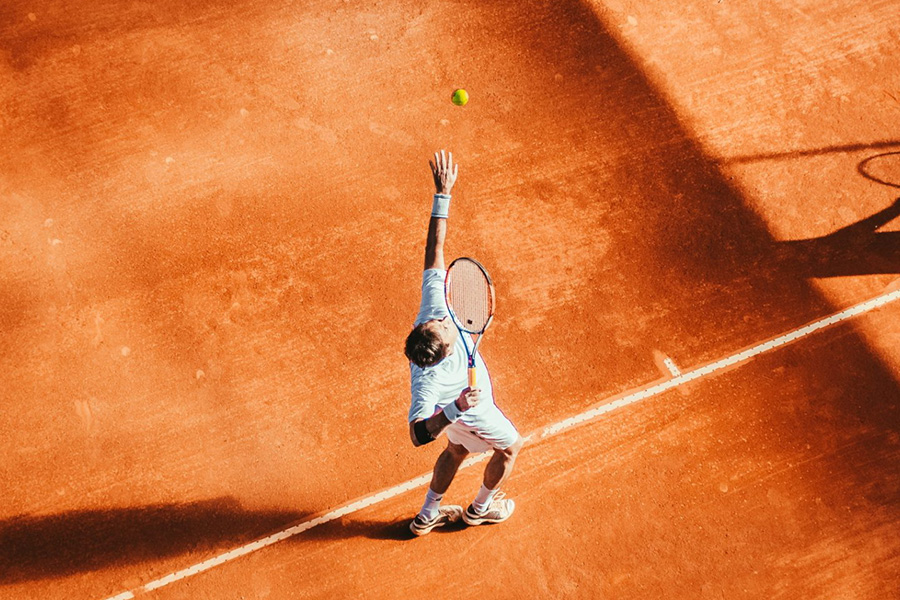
column 857, row 249
column 792, row 154
column 52, row 546
column 397, row 530
column 871, row 168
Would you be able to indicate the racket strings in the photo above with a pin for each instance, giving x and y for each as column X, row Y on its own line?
column 469, row 295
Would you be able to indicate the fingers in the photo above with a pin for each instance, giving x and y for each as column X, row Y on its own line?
column 469, row 398
column 444, row 171
column 443, row 163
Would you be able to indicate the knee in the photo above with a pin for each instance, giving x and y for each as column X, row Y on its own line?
column 457, row 451
column 513, row 450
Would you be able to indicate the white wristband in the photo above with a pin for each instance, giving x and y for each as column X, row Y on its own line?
column 441, row 206
column 452, row 412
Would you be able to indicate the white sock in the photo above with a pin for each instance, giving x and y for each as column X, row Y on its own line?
column 432, row 505
column 483, row 499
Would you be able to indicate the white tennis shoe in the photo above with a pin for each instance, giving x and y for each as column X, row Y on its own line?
column 446, row 515
column 501, row 509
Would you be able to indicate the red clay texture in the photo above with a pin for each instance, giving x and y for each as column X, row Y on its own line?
column 212, row 220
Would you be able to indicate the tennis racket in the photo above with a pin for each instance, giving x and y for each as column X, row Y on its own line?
column 469, row 294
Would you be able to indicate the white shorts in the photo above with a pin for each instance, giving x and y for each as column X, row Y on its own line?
column 491, row 430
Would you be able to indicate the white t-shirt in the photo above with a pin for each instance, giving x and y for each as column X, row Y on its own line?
column 436, row 386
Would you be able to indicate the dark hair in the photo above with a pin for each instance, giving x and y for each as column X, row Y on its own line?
column 424, row 347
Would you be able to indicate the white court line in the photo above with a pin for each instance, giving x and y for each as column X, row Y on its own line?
column 546, row 432
column 671, row 366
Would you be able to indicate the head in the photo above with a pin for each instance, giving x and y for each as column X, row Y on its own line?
column 430, row 342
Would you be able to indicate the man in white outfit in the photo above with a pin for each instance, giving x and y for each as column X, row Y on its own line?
column 441, row 399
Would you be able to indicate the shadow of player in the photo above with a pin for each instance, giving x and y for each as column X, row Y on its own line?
column 858, row 249
column 396, row 530
column 52, row 546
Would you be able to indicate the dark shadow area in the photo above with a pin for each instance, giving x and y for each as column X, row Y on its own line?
column 396, row 530
column 857, row 249
column 46, row 547
column 868, row 168
column 790, row 154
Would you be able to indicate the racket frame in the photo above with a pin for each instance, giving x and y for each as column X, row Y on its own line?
column 459, row 325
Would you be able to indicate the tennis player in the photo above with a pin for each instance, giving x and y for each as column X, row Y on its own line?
column 441, row 399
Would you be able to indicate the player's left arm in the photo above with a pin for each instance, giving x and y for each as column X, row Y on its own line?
column 444, row 172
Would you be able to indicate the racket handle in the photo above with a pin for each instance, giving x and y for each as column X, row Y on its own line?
column 472, row 379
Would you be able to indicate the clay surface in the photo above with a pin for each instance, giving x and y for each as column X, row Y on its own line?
column 212, row 221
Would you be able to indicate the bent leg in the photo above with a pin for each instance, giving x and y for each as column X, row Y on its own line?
column 446, row 466
column 432, row 514
column 490, row 506
column 501, row 465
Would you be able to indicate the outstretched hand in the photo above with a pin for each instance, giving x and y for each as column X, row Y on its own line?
column 444, row 172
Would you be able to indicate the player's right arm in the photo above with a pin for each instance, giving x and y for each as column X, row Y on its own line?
column 423, row 431
column 444, row 172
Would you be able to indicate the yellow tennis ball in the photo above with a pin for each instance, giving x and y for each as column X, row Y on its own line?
column 460, row 97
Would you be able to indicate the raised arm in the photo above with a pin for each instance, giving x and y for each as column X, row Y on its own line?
column 444, row 172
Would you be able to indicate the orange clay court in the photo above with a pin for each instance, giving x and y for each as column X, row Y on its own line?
column 212, row 219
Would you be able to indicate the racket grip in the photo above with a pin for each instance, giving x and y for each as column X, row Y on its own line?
column 472, row 379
